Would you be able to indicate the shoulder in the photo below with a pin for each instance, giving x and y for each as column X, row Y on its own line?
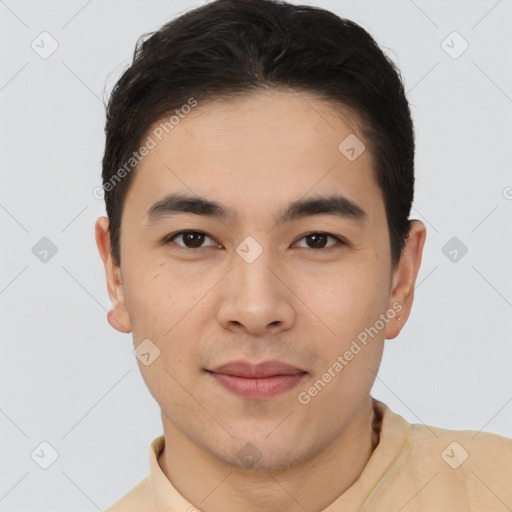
column 476, row 465
column 138, row 499
column 455, row 447
column 452, row 447
column 442, row 469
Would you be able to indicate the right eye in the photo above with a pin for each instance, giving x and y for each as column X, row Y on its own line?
column 191, row 240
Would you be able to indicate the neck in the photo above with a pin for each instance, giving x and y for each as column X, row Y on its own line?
column 212, row 485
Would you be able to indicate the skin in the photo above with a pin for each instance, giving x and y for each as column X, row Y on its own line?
column 295, row 302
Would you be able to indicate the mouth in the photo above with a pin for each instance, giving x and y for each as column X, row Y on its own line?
column 257, row 381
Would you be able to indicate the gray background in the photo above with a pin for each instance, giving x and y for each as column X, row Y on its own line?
column 67, row 378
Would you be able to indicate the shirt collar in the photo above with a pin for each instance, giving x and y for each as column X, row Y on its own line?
column 166, row 496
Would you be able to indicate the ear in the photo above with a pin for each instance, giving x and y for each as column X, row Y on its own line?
column 118, row 316
column 404, row 278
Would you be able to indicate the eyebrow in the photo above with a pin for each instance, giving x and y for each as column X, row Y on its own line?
column 177, row 203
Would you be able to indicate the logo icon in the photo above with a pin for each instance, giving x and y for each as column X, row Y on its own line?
column 249, row 455
column 44, row 45
column 454, row 45
column 147, row 352
column 44, row 250
column 249, row 250
column 352, row 147
column 44, row 455
column 454, row 455
column 454, row 249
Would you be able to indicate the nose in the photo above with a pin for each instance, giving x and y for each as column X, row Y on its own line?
column 256, row 299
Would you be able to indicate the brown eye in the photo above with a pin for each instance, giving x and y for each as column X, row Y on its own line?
column 190, row 239
column 193, row 240
column 316, row 241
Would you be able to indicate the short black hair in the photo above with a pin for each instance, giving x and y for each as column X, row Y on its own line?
column 229, row 48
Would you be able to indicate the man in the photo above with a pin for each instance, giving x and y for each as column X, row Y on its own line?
column 258, row 176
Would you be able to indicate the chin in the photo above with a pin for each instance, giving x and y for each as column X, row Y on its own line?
column 256, row 454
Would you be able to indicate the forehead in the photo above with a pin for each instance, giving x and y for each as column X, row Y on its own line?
column 250, row 152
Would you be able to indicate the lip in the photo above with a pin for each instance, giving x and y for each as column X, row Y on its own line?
column 257, row 381
column 246, row 369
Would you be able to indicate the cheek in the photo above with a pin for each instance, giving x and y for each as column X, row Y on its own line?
column 158, row 297
column 166, row 307
column 350, row 297
column 349, row 306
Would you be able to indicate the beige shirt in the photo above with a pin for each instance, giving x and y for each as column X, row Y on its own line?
column 413, row 468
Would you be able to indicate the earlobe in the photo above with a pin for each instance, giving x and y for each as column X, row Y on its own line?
column 118, row 316
column 404, row 277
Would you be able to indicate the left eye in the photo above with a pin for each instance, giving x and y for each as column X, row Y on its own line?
column 319, row 240
column 195, row 239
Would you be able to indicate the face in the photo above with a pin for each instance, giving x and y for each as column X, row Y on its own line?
column 255, row 284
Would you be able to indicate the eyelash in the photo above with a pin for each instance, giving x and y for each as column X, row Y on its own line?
column 330, row 249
